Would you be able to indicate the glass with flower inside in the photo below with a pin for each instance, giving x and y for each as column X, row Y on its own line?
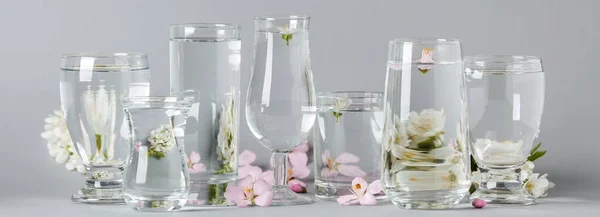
column 425, row 159
column 347, row 141
column 505, row 104
column 156, row 177
column 205, row 65
column 90, row 86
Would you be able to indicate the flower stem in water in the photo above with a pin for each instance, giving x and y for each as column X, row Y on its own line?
column 287, row 38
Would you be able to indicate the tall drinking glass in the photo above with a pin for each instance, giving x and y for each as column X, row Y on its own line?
column 205, row 65
column 505, row 102
column 90, row 86
column 281, row 102
column 425, row 159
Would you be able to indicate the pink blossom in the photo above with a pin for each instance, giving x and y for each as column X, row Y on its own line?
column 297, row 186
column 341, row 165
column 426, row 57
column 479, row 203
column 193, row 163
column 302, row 147
column 250, row 191
column 246, row 158
column 363, row 193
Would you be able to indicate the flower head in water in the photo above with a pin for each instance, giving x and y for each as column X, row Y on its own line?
column 339, row 105
column 100, row 108
column 227, row 137
column 286, row 32
column 341, row 165
column 193, row 162
column 363, row 193
column 427, row 59
column 161, row 141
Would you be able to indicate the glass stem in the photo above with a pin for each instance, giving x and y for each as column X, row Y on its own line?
column 280, row 168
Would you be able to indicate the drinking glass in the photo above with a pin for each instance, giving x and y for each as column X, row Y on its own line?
column 205, row 65
column 281, row 102
column 347, row 141
column 425, row 161
column 505, row 104
column 156, row 175
column 90, row 86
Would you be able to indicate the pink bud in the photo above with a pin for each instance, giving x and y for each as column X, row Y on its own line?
column 479, row 203
column 298, row 188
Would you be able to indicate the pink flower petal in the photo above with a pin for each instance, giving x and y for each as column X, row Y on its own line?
column 351, row 170
column 246, row 182
column 261, row 186
column 302, row 147
column 359, row 186
column 367, row 200
column 246, row 158
column 347, row 199
column 264, row 199
column 269, row 177
column 325, row 172
column 346, row 157
column 244, row 171
column 297, row 186
column 298, row 159
column 234, row 194
column 243, row 203
column 300, row 172
column 195, row 157
column 296, row 182
column 325, row 156
column 375, row 187
column 198, row 168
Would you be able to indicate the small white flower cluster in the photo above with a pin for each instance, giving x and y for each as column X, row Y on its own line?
column 161, row 140
column 227, row 137
column 60, row 146
column 533, row 183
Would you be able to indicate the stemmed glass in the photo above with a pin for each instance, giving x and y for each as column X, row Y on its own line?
column 505, row 96
column 281, row 102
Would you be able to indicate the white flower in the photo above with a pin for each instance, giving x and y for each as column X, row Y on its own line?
column 422, row 126
column 341, row 104
column 286, row 29
column 60, row 147
column 400, row 136
column 427, row 58
column 227, row 137
column 162, row 139
column 476, row 178
column 100, row 108
column 527, row 168
column 537, row 185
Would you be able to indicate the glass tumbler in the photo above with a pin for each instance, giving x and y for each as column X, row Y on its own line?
column 90, row 86
column 205, row 65
column 156, row 177
column 505, row 104
column 347, row 141
column 425, row 161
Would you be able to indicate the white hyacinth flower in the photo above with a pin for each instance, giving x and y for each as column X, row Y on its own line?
column 161, row 141
column 227, row 137
column 425, row 125
column 60, row 147
column 100, row 108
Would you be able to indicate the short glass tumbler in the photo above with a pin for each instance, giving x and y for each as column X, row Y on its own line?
column 425, row 160
column 156, row 177
column 505, row 104
column 90, row 87
column 205, row 65
column 347, row 141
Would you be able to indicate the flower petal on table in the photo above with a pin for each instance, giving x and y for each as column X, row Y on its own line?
column 264, row 199
column 367, row 200
column 346, row 200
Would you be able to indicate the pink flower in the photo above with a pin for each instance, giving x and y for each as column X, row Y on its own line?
column 362, row 194
column 246, row 158
column 426, row 57
column 298, row 170
column 340, row 165
column 297, row 186
column 250, row 192
column 302, row 147
column 193, row 163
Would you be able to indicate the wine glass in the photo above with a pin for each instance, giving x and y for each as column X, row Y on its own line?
column 281, row 102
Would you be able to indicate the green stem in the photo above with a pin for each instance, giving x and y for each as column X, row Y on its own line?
column 287, row 38
column 98, row 143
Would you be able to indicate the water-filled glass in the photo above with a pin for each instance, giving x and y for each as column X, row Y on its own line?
column 90, row 87
column 505, row 96
column 281, row 102
column 205, row 65
column 347, row 141
column 425, row 161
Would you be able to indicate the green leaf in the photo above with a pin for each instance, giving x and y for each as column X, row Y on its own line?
column 474, row 166
column 287, row 38
column 535, row 149
column 536, row 155
column 472, row 189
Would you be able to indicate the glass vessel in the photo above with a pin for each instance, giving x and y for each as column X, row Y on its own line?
column 90, row 85
column 347, row 141
column 205, row 65
column 425, row 158
column 505, row 96
column 281, row 102
column 156, row 176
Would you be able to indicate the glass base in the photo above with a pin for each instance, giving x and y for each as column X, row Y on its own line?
column 331, row 191
column 503, row 196
column 428, row 199
column 156, row 205
column 283, row 196
column 98, row 196
column 208, row 195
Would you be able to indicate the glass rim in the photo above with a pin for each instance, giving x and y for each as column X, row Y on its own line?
column 503, row 64
column 207, row 25
column 158, row 101
column 106, row 55
column 367, row 94
column 425, row 40
column 289, row 17
column 516, row 59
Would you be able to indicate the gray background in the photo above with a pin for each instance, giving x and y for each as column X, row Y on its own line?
column 348, row 48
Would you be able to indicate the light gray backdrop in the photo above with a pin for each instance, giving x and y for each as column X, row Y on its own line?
column 349, row 46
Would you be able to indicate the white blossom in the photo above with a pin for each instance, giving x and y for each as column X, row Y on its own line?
column 227, row 137
column 537, row 185
column 162, row 139
column 59, row 144
column 424, row 125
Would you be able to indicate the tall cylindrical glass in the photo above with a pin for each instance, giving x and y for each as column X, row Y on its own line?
column 156, row 174
column 90, row 86
column 347, row 141
column 505, row 104
column 425, row 158
column 205, row 65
